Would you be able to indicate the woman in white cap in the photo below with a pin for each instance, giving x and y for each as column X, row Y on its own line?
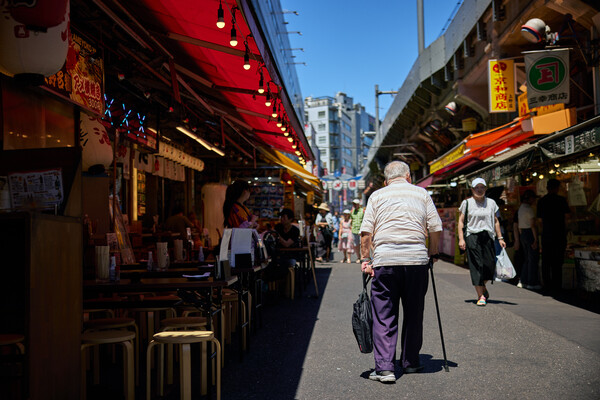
column 346, row 243
column 477, row 226
column 324, row 222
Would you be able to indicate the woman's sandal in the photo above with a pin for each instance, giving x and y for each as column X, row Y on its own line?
column 481, row 301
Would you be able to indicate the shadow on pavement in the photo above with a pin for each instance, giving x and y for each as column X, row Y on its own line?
column 272, row 367
column 493, row 302
column 430, row 366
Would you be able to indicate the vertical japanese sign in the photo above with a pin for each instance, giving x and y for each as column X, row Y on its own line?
column 81, row 79
column 501, row 81
column 547, row 77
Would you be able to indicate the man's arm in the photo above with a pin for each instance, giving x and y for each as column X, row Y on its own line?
column 365, row 253
column 434, row 243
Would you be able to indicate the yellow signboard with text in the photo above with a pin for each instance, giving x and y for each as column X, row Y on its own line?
column 447, row 159
column 502, row 89
column 524, row 107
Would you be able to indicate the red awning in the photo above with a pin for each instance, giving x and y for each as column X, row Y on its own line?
column 482, row 145
column 428, row 180
column 191, row 25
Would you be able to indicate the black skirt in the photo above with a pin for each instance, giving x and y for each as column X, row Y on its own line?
column 481, row 256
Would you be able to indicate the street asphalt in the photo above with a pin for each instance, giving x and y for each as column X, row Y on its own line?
column 522, row 345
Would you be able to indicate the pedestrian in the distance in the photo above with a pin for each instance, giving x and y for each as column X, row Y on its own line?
column 530, row 274
column 356, row 214
column 478, row 214
column 346, row 245
column 552, row 209
column 324, row 222
column 397, row 220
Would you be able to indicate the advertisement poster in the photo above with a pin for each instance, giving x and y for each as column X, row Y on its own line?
column 81, row 79
column 36, row 189
column 502, row 86
column 547, row 77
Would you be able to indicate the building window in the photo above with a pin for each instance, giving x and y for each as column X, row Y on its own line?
column 346, row 126
column 321, row 114
column 348, row 152
column 347, row 139
column 322, row 140
column 321, row 127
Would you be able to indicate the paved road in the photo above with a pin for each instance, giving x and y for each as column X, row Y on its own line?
column 521, row 346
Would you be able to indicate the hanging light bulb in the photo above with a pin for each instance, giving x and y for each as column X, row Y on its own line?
column 261, row 83
column 220, row 17
column 294, row 145
column 268, row 99
column 274, row 113
column 284, row 129
column 290, row 139
column 246, row 57
column 233, row 41
column 279, row 122
column 298, row 152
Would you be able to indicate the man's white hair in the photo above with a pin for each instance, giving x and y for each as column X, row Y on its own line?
column 396, row 169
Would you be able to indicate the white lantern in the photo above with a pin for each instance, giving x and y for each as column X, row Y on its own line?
column 97, row 149
column 28, row 53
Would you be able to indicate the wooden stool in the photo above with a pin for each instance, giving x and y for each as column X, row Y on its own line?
column 122, row 337
column 184, row 339
column 176, row 324
column 230, row 315
column 101, row 324
column 16, row 366
column 7, row 339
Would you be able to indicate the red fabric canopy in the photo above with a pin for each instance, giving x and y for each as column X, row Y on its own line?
column 195, row 21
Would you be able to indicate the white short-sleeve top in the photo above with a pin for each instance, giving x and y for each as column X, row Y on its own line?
column 479, row 216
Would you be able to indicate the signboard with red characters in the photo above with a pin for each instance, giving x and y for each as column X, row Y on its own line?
column 502, row 86
column 81, row 79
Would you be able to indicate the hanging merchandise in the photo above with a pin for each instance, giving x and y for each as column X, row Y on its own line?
column 540, row 187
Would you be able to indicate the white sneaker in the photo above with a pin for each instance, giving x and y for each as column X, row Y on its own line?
column 519, row 285
column 383, row 376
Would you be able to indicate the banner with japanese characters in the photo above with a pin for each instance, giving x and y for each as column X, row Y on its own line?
column 547, row 77
column 501, row 79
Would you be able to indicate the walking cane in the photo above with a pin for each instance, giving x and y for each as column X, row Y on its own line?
column 437, row 308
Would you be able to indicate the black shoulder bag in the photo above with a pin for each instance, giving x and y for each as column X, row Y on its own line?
column 362, row 319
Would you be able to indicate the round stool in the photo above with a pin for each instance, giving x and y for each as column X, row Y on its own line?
column 7, row 339
column 175, row 324
column 125, row 338
column 113, row 323
column 184, row 339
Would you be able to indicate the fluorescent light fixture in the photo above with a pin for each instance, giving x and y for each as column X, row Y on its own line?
column 196, row 138
column 218, row 151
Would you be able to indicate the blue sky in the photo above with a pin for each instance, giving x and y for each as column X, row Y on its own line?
column 351, row 45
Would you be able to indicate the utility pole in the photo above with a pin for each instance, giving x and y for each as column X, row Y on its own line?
column 377, row 93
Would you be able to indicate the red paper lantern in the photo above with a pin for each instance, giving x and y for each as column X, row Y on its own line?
column 38, row 14
column 30, row 53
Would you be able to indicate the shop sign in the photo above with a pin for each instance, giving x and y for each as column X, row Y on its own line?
column 361, row 184
column 337, row 185
column 547, row 77
column 324, row 185
column 352, row 185
column 36, row 189
column 81, row 79
column 448, row 159
column 524, row 107
column 501, row 83
column 578, row 141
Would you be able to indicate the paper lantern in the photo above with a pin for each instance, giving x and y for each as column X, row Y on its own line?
column 39, row 14
column 31, row 55
column 95, row 142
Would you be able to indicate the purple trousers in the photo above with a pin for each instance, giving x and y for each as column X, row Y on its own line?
column 392, row 284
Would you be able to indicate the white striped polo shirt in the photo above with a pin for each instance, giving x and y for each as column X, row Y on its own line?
column 399, row 216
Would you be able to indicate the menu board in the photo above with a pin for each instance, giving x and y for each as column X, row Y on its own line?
column 266, row 200
column 36, row 189
column 141, row 193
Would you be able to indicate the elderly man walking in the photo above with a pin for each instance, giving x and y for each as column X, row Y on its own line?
column 398, row 218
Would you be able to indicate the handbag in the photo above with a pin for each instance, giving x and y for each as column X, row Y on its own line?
column 504, row 267
column 362, row 319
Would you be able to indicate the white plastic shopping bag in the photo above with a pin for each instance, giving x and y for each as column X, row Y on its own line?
column 504, row 267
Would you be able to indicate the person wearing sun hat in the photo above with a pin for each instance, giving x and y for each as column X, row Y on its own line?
column 324, row 222
column 346, row 244
column 478, row 216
